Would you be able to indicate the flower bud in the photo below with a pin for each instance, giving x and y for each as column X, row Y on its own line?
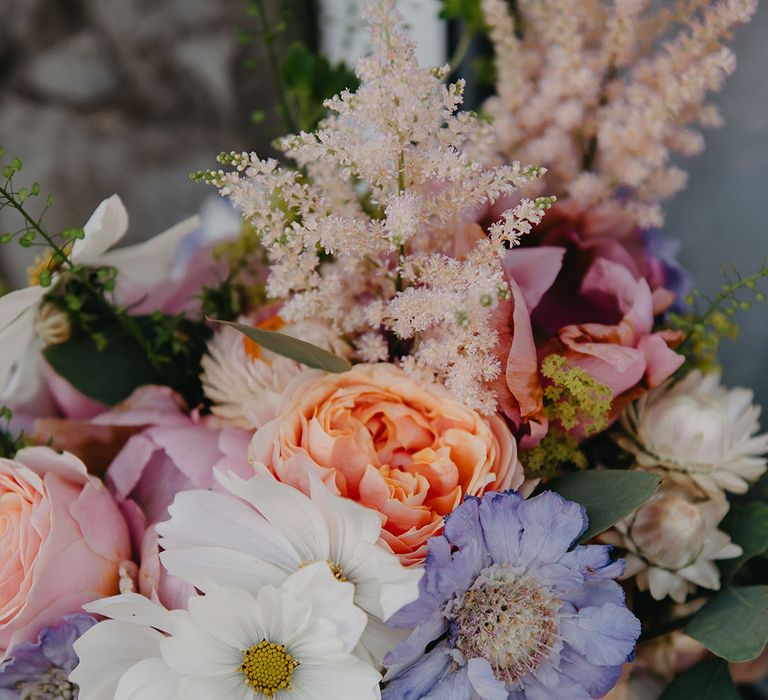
column 52, row 324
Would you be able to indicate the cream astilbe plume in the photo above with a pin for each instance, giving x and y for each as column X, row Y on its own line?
column 604, row 93
column 364, row 236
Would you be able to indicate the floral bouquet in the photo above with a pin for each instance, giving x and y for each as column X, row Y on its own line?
column 436, row 414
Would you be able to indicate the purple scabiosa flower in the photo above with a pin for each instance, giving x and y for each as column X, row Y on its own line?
column 40, row 670
column 507, row 610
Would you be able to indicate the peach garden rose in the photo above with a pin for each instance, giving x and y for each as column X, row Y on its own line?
column 402, row 448
column 62, row 540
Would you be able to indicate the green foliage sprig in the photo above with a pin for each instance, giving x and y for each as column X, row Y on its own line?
column 303, row 78
column 108, row 351
column 572, row 398
column 711, row 318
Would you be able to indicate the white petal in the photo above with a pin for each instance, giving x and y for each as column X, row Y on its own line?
column 203, row 567
column 132, row 607
column 107, row 651
column 14, row 304
column 331, row 599
column 294, row 515
column 152, row 261
column 19, row 359
column 231, row 687
column 150, row 679
column 106, row 227
column 193, row 651
column 351, row 680
column 211, row 519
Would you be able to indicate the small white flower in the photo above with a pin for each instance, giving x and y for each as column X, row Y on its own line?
column 268, row 530
column 673, row 542
column 285, row 642
column 699, row 433
column 247, row 384
column 146, row 263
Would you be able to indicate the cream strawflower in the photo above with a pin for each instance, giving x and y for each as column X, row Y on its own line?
column 288, row 642
column 247, row 384
column 699, row 433
column 672, row 542
column 264, row 530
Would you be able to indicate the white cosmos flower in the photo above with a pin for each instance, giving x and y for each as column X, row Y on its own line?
column 263, row 531
column 145, row 263
column 246, row 384
column 698, row 433
column 673, row 542
column 290, row 642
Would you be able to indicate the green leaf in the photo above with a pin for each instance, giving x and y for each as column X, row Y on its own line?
column 287, row 346
column 748, row 527
column 108, row 375
column 707, row 680
column 734, row 624
column 608, row 495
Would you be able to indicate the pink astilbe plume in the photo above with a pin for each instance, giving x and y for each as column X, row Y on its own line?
column 375, row 233
column 605, row 93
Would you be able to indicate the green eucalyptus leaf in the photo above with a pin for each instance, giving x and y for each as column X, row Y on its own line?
column 608, row 495
column 707, row 680
column 748, row 527
column 109, row 374
column 734, row 624
column 295, row 349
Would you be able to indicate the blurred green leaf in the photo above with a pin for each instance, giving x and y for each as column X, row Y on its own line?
column 748, row 527
column 296, row 349
column 734, row 624
column 707, row 680
column 468, row 11
column 608, row 495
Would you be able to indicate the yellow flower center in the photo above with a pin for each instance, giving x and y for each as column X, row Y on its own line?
column 335, row 568
column 268, row 667
column 44, row 262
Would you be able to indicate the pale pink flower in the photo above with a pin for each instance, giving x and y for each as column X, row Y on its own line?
column 63, row 540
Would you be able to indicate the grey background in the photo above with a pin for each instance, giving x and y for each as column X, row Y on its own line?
column 722, row 217
column 129, row 96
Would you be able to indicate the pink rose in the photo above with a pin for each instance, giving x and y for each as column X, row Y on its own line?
column 63, row 539
column 406, row 450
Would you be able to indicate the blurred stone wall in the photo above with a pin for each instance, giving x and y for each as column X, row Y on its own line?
column 126, row 96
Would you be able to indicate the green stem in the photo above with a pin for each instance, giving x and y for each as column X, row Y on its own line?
column 274, row 64
column 460, row 52
column 35, row 226
column 716, row 303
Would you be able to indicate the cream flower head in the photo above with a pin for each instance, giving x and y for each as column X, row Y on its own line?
column 247, row 384
column 290, row 642
column 672, row 543
column 698, row 433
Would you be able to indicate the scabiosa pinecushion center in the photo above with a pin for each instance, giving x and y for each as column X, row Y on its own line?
column 508, row 608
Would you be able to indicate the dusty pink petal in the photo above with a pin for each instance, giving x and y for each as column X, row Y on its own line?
column 194, row 450
column 127, row 468
column 154, row 582
column 534, row 270
column 43, row 461
column 609, row 280
column 617, row 366
column 521, row 372
column 91, row 510
column 660, row 360
column 148, row 405
column 69, row 400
